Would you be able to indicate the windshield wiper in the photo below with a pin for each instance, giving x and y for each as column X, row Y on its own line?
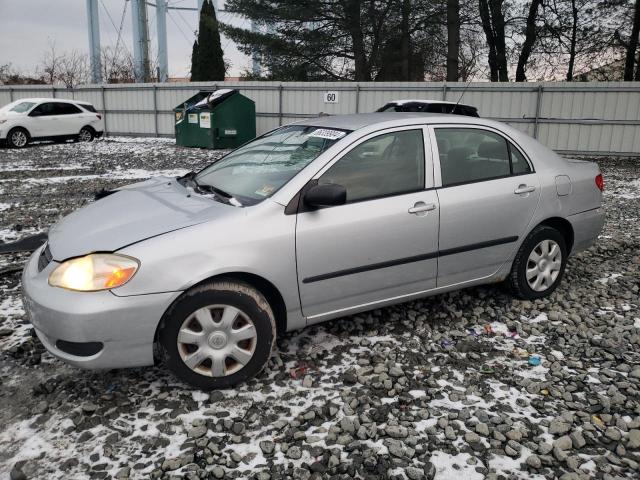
column 203, row 187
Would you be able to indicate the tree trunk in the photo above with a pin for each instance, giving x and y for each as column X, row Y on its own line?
column 488, row 32
column 406, row 41
column 453, row 39
column 633, row 45
column 574, row 34
column 497, row 18
column 353, row 17
column 529, row 40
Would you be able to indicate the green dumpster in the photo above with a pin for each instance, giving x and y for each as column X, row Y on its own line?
column 215, row 119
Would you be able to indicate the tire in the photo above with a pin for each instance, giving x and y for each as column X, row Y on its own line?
column 546, row 244
column 87, row 134
column 197, row 347
column 18, row 138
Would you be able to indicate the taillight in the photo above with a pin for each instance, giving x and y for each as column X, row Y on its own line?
column 99, row 116
column 600, row 182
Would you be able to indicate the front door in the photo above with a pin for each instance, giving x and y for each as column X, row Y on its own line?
column 488, row 196
column 383, row 242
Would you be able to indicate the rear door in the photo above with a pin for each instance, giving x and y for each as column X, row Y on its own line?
column 383, row 242
column 70, row 118
column 488, row 193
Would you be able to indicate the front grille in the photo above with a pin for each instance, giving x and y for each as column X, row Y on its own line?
column 45, row 258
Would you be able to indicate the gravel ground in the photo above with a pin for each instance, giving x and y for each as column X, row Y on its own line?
column 445, row 388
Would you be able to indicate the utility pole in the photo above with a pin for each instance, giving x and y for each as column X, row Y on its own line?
column 94, row 41
column 140, row 40
column 161, row 22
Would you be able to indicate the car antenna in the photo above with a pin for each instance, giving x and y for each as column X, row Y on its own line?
column 462, row 95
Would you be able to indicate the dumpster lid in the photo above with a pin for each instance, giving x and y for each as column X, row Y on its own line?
column 215, row 97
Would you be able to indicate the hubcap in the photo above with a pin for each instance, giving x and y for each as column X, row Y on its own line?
column 85, row 135
column 217, row 340
column 543, row 265
column 19, row 138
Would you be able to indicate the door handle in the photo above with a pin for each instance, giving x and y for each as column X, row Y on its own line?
column 524, row 189
column 421, row 207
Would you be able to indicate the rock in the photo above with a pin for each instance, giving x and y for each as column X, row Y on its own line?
column 482, row 429
column 577, row 440
column 396, row 371
column 613, row 434
column 123, row 473
column 557, row 427
column 347, row 425
column 307, row 382
column 294, row 453
column 534, row 461
column 17, row 473
column 414, row 473
column 396, row 431
column 267, row 447
column 563, row 443
column 217, row 472
column 197, row 432
column 471, row 437
column 633, row 439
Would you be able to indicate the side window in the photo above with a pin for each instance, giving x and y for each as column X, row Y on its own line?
column 519, row 164
column 389, row 164
column 43, row 110
column 472, row 155
column 66, row 109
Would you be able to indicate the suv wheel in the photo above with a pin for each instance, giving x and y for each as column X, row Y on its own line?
column 18, row 138
column 539, row 264
column 86, row 134
column 217, row 335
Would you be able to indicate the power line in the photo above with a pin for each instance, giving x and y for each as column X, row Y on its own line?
column 189, row 42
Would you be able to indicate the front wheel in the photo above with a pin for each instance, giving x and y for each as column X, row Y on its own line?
column 539, row 264
column 17, row 138
column 217, row 335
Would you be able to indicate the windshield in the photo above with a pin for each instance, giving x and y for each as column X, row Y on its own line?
column 258, row 169
column 22, row 107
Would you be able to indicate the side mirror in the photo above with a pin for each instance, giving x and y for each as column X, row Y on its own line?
column 325, row 195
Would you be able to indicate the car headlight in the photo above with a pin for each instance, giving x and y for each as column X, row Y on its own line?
column 98, row 271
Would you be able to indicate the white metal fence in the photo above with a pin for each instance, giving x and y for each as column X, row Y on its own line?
column 594, row 118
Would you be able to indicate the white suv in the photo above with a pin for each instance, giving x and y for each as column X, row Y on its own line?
column 48, row 119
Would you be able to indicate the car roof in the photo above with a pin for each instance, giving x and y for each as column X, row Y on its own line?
column 426, row 102
column 393, row 119
column 39, row 100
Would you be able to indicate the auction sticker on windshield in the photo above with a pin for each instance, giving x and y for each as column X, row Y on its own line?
column 328, row 134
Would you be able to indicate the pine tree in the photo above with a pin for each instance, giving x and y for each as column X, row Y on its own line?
column 207, row 60
column 194, row 62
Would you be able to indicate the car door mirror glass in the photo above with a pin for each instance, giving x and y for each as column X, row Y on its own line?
column 326, row 195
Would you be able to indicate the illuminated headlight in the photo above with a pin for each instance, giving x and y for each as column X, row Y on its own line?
column 98, row 271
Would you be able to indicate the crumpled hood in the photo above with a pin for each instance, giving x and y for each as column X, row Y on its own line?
column 132, row 214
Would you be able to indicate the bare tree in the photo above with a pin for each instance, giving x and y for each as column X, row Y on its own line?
column 73, row 69
column 630, row 59
column 493, row 24
column 530, row 34
column 453, row 40
column 50, row 64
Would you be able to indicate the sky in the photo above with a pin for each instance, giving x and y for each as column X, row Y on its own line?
column 28, row 27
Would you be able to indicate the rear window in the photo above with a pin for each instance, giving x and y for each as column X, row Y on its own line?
column 88, row 107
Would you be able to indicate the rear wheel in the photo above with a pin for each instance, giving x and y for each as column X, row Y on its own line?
column 539, row 264
column 86, row 134
column 17, row 138
column 218, row 335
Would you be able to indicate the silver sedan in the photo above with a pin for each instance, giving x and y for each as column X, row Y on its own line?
column 312, row 221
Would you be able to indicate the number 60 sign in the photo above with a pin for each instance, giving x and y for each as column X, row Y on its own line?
column 330, row 97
